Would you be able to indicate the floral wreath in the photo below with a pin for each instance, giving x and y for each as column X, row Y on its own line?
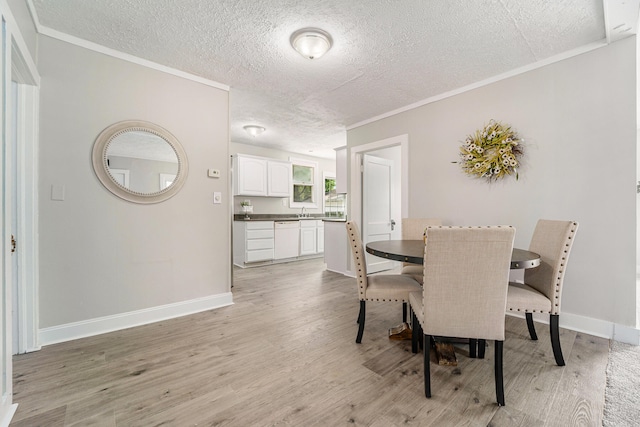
column 492, row 152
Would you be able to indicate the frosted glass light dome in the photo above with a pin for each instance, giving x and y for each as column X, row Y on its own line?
column 311, row 43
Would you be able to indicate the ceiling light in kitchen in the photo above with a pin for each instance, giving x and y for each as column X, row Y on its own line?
column 254, row 130
column 311, row 43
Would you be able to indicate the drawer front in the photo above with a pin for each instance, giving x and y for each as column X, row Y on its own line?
column 260, row 234
column 308, row 223
column 260, row 255
column 259, row 225
column 259, row 244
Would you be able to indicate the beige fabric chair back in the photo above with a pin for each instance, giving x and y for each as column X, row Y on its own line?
column 359, row 259
column 466, row 274
column 552, row 240
column 413, row 228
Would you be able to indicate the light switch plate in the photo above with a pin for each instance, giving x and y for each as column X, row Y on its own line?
column 217, row 198
column 213, row 173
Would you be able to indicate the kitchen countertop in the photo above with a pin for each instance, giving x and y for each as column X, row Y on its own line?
column 286, row 217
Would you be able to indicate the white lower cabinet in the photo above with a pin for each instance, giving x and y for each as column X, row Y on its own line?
column 311, row 237
column 253, row 241
column 273, row 241
column 308, row 237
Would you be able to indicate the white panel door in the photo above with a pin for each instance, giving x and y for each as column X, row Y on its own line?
column 377, row 223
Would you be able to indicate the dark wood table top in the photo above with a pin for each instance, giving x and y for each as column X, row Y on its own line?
column 412, row 251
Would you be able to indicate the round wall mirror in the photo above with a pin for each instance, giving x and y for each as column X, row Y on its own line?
column 139, row 161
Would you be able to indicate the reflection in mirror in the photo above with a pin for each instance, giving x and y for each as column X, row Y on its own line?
column 139, row 161
column 142, row 161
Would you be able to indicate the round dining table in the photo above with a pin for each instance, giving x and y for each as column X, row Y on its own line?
column 412, row 251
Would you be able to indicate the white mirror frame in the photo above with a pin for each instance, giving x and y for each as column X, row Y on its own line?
column 101, row 169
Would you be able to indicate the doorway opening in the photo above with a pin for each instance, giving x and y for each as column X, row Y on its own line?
column 374, row 167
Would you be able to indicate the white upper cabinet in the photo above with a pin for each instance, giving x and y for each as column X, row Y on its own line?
column 279, row 179
column 251, row 176
column 259, row 176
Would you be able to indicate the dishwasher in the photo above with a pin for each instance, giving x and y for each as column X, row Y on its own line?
column 286, row 239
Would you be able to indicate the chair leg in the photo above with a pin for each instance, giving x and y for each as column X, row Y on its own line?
column 361, row 321
column 482, row 345
column 473, row 346
column 420, row 333
column 427, row 363
column 404, row 312
column 554, row 329
column 532, row 328
column 498, row 373
column 414, row 334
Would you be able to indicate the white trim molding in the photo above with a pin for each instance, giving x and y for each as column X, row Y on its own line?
column 102, row 325
column 486, row 82
column 127, row 57
column 591, row 326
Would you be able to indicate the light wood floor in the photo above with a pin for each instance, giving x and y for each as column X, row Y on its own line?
column 285, row 354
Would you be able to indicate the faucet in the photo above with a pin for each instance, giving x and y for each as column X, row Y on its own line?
column 302, row 213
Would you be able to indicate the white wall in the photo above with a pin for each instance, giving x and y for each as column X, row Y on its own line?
column 100, row 255
column 578, row 118
column 271, row 205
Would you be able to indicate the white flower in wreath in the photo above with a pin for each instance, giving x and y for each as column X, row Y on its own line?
column 480, row 150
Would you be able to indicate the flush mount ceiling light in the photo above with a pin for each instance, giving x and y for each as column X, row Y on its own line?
column 254, row 130
column 311, row 43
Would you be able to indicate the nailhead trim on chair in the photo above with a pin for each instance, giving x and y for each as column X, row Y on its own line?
column 556, row 297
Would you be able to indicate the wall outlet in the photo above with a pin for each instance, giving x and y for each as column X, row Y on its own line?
column 284, row 202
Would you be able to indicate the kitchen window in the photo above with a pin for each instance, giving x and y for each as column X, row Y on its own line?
column 334, row 204
column 303, row 194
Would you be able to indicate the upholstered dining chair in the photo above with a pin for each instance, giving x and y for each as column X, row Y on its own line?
column 376, row 287
column 541, row 291
column 413, row 229
column 466, row 275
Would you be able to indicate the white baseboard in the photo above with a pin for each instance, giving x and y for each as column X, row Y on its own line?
column 8, row 415
column 588, row 325
column 101, row 325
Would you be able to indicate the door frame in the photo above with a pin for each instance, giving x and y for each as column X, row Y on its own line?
column 23, row 71
column 26, row 181
column 355, row 176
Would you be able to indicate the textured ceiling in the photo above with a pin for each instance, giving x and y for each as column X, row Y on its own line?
column 387, row 54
